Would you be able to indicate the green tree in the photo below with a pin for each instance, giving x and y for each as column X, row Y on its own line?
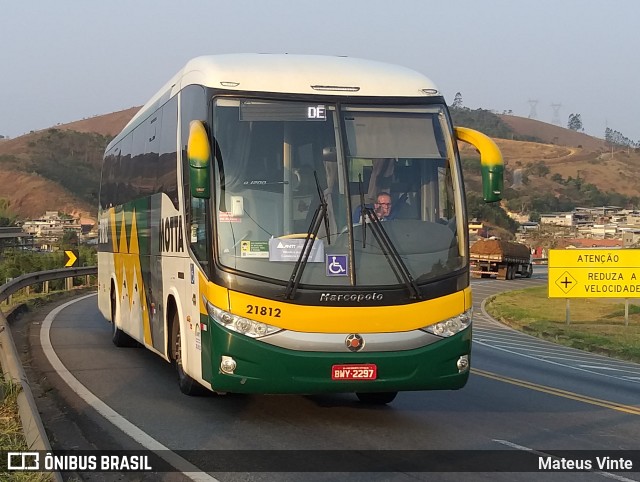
column 457, row 101
column 489, row 212
column 538, row 169
column 557, row 177
column 575, row 122
column 69, row 239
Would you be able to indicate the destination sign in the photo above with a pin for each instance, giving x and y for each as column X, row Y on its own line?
column 594, row 273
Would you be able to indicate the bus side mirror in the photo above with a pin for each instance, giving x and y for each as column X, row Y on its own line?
column 492, row 165
column 199, row 156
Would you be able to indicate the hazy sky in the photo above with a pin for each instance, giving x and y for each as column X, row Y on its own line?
column 66, row 60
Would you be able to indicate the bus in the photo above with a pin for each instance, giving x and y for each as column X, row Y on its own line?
column 229, row 244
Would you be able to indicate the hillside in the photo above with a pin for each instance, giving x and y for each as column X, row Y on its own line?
column 62, row 165
column 552, row 134
column 563, row 169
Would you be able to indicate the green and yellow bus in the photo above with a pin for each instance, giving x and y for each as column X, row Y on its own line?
column 239, row 236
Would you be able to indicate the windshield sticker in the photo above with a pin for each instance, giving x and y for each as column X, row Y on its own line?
column 254, row 249
column 227, row 217
column 291, row 249
column 337, row 265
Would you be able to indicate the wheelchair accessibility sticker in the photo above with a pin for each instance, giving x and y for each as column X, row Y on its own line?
column 337, row 264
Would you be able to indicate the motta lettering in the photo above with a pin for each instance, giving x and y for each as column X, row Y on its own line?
column 357, row 297
column 171, row 238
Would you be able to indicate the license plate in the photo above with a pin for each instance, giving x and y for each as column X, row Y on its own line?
column 367, row 371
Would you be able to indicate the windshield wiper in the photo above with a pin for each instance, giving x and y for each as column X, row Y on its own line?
column 362, row 207
column 320, row 215
column 390, row 252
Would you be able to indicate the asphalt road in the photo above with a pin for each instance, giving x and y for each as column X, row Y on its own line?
column 524, row 395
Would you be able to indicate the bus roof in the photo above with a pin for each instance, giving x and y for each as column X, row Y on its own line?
column 296, row 74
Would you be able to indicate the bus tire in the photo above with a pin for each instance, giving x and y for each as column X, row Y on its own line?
column 187, row 385
column 118, row 337
column 376, row 398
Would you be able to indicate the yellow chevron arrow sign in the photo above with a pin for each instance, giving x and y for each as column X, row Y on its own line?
column 72, row 258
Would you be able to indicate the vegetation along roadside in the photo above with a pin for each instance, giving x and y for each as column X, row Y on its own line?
column 596, row 324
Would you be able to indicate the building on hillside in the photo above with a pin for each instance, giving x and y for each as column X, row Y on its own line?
column 633, row 218
column 630, row 237
column 585, row 243
column 50, row 228
column 14, row 237
column 576, row 218
column 601, row 231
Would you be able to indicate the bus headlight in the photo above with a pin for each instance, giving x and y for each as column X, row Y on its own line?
column 452, row 325
column 239, row 324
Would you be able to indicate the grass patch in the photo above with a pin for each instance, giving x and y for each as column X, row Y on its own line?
column 11, row 435
column 596, row 324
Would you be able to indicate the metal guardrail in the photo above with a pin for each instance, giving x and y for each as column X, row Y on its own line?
column 29, row 279
column 34, row 432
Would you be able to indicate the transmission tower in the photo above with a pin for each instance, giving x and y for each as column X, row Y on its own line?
column 532, row 113
column 556, row 114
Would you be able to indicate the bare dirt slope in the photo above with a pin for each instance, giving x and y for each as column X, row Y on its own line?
column 570, row 154
column 552, row 134
column 107, row 125
column 29, row 194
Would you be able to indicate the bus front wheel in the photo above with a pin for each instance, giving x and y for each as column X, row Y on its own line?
column 379, row 398
column 188, row 385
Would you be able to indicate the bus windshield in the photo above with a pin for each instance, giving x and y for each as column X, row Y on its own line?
column 278, row 160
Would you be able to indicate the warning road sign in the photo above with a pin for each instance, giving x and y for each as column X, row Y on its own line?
column 594, row 273
column 72, row 258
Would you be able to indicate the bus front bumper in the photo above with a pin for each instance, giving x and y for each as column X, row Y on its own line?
column 264, row 368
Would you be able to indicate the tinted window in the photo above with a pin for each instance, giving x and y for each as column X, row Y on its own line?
column 144, row 162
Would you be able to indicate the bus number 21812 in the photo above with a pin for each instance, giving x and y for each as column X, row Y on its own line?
column 263, row 310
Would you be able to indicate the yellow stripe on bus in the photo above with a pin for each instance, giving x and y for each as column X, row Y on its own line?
column 341, row 319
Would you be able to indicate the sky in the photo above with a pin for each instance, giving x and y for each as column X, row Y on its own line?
column 66, row 60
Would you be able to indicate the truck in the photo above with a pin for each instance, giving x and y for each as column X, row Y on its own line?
column 502, row 259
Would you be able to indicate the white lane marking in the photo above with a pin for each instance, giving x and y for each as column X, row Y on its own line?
column 547, row 350
column 543, row 360
column 568, row 354
column 544, row 454
column 599, row 367
column 144, row 439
